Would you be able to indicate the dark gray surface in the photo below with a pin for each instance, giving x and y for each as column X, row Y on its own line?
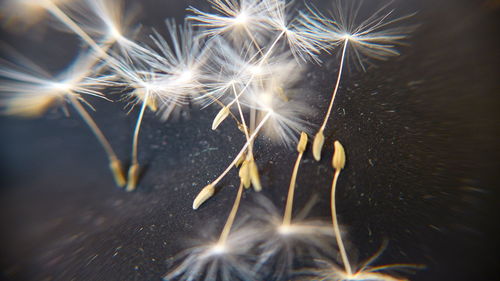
column 421, row 136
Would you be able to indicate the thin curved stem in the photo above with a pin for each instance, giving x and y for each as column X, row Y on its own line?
column 232, row 215
column 336, row 228
column 287, row 217
column 93, row 126
column 245, row 128
column 102, row 53
column 243, row 149
column 327, row 116
column 135, row 141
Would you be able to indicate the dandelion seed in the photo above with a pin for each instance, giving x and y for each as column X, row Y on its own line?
column 371, row 38
column 162, row 81
column 374, row 37
column 228, row 259
column 31, row 92
column 215, row 261
column 301, row 39
column 329, row 271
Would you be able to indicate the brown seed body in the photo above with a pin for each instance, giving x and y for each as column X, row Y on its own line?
column 133, row 177
column 338, row 161
column 221, row 116
column 318, row 142
column 254, row 176
column 117, row 169
column 245, row 174
column 205, row 194
column 301, row 146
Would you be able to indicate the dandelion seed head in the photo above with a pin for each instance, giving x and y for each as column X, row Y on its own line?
column 347, row 36
column 185, row 77
column 218, row 249
column 281, row 245
column 372, row 37
column 237, row 19
column 285, row 229
column 61, row 86
column 115, row 33
column 241, row 18
column 28, row 90
column 226, row 261
column 331, row 271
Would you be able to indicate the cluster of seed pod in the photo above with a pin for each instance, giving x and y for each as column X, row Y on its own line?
column 247, row 58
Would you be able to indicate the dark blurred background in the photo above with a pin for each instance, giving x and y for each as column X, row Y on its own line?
column 421, row 135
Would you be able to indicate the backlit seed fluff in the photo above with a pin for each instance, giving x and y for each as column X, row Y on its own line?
column 205, row 194
column 338, row 161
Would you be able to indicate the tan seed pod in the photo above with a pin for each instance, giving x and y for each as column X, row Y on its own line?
column 117, row 169
column 133, row 177
column 254, row 176
column 338, row 161
column 242, row 128
column 240, row 159
column 301, row 147
column 205, row 194
column 221, row 116
column 319, row 140
column 244, row 174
